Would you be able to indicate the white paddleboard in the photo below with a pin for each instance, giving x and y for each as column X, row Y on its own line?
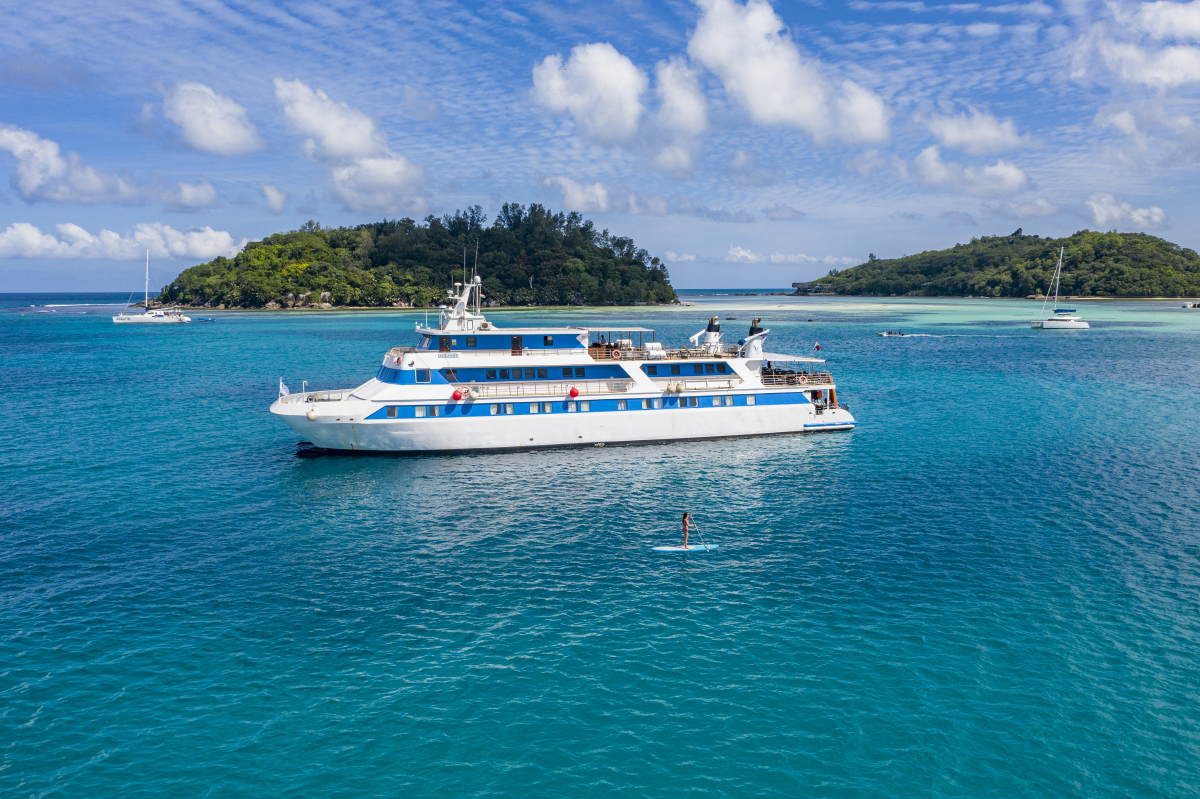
column 688, row 548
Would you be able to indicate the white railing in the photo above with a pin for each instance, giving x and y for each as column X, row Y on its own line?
column 802, row 379
column 698, row 383
column 318, row 396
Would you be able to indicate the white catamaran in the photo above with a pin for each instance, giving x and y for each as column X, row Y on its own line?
column 147, row 316
column 1061, row 318
column 469, row 385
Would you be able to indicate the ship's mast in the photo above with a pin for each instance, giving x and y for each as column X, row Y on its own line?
column 146, row 296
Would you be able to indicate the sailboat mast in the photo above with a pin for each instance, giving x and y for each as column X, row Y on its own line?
column 146, row 297
column 1058, row 277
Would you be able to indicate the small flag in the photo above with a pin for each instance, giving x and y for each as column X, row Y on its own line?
column 817, row 346
column 283, row 390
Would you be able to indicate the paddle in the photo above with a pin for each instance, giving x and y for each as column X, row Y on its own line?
column 702, row 541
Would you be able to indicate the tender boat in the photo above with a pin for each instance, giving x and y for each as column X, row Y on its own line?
column 470, row 385
column 1061, row 318
column 890, row 333
column 157, row 315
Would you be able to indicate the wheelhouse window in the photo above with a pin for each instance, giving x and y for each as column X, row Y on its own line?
column 651, row 370
column 489, row 374
column 548, row 341
column 391, row 411
column 675, row 369
column 422, row 375
column 451, row 375
column 424, row 342
column 471, row 341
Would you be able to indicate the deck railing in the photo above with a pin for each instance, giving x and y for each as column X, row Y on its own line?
column 815, row 379
column 336, row 395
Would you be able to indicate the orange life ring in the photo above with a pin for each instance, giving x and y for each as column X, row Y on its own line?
column 804, row 380
column 615, row 355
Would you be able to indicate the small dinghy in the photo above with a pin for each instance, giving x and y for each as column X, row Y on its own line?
column 890, row 333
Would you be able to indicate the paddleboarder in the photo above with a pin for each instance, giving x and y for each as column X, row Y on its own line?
column 687, row 525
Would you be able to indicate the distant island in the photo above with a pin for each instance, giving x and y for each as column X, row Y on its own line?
column 1094, row 265
column 528, row 256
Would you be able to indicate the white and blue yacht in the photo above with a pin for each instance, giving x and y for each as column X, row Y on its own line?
column 470, row 385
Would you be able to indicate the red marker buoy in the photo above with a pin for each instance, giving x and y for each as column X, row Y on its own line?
column 574, row 391
column 457, row 394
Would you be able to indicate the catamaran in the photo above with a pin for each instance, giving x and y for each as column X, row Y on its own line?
column 470, row 385
column 1061, row 318
column 148, row 316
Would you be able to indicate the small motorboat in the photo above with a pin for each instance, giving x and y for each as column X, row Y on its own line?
column 890, row 333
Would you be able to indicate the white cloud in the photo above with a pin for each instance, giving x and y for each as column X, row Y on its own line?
column 1167, row 20
column 992, row 180
column 190, row 196
column 274, row 197
column 975, row 133
column 682, row 106
column 597, row 198
column 44, row 173
column 598, row 86
column 1107, row 211
column 578, row 196
column 1165, row 68
column 744, row 168
column 363, row 171
column 983, row 29
column 677, row 257
column 390, row 183
column 209, row 121
column 782, row 211
column 23, row 240
column 1030, row 210
column 762, row 69
column 743, row 255
column 335, row 130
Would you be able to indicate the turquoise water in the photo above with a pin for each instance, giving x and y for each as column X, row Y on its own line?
column 990, row 588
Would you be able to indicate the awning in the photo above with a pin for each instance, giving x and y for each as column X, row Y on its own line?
column 775, row 356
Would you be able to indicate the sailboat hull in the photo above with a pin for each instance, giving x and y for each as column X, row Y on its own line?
column 1059, row 324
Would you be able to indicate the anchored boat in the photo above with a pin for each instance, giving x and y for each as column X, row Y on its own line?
column 470, row 385
column 157, row 316
column 1060, row 318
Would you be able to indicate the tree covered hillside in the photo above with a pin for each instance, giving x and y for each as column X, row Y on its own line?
column 526, row 257
column 1094, row 265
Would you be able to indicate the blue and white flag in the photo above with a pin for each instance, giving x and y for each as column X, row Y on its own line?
column 283, row 390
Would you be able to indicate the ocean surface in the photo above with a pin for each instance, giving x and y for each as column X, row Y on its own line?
column 990, row 588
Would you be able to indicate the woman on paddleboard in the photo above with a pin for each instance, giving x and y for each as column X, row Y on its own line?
column 687, row 525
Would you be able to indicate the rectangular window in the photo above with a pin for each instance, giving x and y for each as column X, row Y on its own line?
column 567, row 372
column 658, row 402
column 572, row 407
column 675, row 369
column 729, row 400
column 622, row 405
column 720, row 368
column 548, row 341
column 579, row 371
column 749, row 399
column 716, row 402
column 693, row 402
column 435, row 410
column 495, row 409
column 509, row 409
column 585, row 406
column 651, row 370
column 543, row 373
column 420, row 411
column 547, row 407
column 698, row 369
column 391, row 413
column 534, row 407
column 490, row 374
column 422, row 375
column 710, row 368
column 645, row 405
column 451, row 375
column 503, row 374
column 471, row 341
column 424, row 342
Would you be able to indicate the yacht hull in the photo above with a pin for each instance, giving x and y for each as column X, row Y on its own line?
column 341, row 426
column 143, row 319
column 1056, row 324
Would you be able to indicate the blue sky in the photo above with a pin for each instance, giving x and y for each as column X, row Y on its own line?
column 748, row 144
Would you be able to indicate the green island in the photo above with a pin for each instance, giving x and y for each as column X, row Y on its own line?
column 1094, row 265
column 528, row 256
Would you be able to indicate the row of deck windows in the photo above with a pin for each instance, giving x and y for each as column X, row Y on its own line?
column 697, row 369
column 521, row 374
column 581, row 406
